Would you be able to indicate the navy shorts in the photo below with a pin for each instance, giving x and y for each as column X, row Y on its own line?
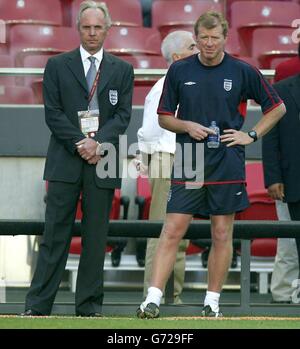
column 217, row 199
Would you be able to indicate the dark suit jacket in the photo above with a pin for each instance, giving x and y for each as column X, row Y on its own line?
column 65, row 93
column 281, row 146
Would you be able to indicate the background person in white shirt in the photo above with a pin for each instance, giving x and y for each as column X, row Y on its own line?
column 157, row 146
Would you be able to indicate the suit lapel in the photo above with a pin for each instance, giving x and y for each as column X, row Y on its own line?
column 106, row 72
column 294, row 88
column 76, row 66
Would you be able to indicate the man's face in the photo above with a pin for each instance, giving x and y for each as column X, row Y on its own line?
column 190, row 48
column 92, row 30
column 211, row 43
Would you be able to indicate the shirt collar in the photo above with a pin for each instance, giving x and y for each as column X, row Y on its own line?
column 85, row 54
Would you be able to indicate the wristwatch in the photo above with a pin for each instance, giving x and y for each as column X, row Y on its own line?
column 253, row 135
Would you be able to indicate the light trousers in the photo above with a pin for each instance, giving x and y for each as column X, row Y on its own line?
column 286, row 266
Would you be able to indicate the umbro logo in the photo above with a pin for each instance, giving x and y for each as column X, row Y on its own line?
column 189, row 83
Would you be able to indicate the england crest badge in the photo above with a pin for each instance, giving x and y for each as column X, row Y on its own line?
column 227, row 85
column 113, row 97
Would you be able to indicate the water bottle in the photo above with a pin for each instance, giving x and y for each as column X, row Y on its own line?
column 213, row 140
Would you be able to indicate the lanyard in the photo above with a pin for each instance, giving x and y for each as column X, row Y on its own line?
column 93, row 89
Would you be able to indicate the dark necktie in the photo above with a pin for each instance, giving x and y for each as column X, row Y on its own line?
column 90, row 78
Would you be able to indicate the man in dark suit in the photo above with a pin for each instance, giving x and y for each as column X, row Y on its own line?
column 280, row 151
column 286, row 267
column 76, row 149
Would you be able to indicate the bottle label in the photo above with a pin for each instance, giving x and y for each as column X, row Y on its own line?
column 213, row 141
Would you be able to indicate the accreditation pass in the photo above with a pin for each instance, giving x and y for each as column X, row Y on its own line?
column 88, row 121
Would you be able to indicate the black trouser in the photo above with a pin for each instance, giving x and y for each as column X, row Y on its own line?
column 61, row 208
column 294, row 210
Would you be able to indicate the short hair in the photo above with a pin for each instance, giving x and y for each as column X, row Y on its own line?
column 94, row 5
column 210, row 20
column 174, row 42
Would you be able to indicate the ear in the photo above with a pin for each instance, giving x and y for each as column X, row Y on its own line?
column 175, row 57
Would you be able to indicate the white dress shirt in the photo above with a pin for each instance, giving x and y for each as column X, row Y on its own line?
column 85, row 59
column 151, row 137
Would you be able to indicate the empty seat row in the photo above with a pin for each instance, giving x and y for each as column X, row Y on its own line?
column 32, row 94
column 46, row 11
column 64, row 12
column 141, row 46
column 25, row 39
column 164, row 12
column 266, row 45
column 168, row 15
column 268, row 13
column 16, row 95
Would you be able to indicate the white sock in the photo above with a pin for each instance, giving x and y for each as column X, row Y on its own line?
column 154, row 296
column 212, row 299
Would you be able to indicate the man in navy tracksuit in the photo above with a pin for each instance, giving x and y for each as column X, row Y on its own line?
column 208, row 87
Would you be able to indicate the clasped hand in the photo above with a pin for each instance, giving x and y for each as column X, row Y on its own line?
column 231, row 136
column 87, row 150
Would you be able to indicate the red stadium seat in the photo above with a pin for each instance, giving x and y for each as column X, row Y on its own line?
column 143, row 198
column 263, row 13
column 276, row 61
column 247, row 16
column 35, row 82
column 133, row 41
column 254, row 178
column 233, row 43
column 146, row 62
column 270, row 43
column 170, row 15
column 36, row 60
column 40, row 39
column 139, row 94
column 16, row 95
column 17, row 11
column 6, row 61
column 123, row 13
column 262, row 207
column 228, row 5
column 37, row 88
column 66, row 8
column 249, row 60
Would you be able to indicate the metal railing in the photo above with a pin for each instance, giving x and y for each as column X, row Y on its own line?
column 244, row 230
column 139, row 73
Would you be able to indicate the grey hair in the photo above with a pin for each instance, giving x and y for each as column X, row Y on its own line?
column 174, row 42
column 94, row 5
